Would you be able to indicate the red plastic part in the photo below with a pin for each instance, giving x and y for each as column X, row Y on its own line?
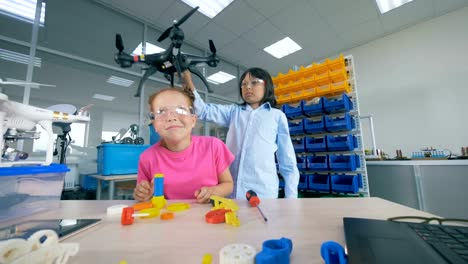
column 252, row 198
column 127, row 216
column 216, row 216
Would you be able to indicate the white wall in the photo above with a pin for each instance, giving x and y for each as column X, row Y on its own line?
column 415, row 82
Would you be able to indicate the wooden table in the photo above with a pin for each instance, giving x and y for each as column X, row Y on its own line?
column 307, row 222
column 111, row 179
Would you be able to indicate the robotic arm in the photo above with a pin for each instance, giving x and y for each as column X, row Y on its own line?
column 170, row 61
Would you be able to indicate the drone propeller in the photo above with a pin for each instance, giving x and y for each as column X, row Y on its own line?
column 166, row 32
column 119, row 43
column 212, row 47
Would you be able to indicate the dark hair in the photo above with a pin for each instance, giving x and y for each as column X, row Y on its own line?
column 265, row 76
column 187, row 93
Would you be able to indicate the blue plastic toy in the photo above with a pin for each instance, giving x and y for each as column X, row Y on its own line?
column 333, row 253
column 275, row 251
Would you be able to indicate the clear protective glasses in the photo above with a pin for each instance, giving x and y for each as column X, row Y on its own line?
column 253, row 83
column 180, row 110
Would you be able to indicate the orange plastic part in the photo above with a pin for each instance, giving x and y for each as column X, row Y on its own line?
column 216, row 216
column 167, row 216
column 127, row 216
column 143, row 205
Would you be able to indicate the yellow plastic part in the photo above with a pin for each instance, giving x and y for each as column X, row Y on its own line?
column 153, row 212
column 207, row 259
column 158, row 202
column 231, row 219
column 176, row 207
column 223, row 203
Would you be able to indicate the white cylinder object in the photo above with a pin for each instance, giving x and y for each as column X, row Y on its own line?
column 237, row 254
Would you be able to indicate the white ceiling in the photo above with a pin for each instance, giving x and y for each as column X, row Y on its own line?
column 322, row 27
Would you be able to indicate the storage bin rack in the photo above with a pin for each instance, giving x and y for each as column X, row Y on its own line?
column 321, row 103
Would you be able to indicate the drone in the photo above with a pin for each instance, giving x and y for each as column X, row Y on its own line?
column 170, row 61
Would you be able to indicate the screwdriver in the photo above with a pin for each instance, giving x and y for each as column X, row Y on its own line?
column 254, row 202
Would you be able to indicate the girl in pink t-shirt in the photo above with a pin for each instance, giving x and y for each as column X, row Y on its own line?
column 194, row 167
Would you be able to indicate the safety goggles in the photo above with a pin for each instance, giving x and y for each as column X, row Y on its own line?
column 179, row 110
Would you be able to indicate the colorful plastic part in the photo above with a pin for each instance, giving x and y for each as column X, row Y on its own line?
column 176, row 207
column 219, row 202
column 275, row 251
column 216, row 216
column 237, row 253
column 142, row 205
column 148, row 213
column 207, row 259
column 231, row 219
column 158, row 199
column 333, row 253
column 167, row 216
column 128, row 215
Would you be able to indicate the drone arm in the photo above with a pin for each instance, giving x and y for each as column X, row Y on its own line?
column 195, row 71
column 192, row 60
column 148, row 73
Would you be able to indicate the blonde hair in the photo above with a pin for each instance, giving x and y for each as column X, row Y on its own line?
column 185, row 92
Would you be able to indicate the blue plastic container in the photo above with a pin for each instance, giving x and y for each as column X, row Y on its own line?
column 344, row 143
column 301, row 163
column 314, row 125
column 311, row 109
column 303, row 182
column 319, row 182
column 343, row 162
column 293, row 111
column 298, row 144
column 119, row 158
column 296, row 128
column 334, row 105
column 313, row 144
column 343, row 123
column 27, row 190
column 346, row 183
column 317, row 163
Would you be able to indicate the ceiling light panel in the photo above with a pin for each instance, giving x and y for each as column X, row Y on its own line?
column 387, row 5
column 120, row 81
column 209, row 8
column 103, row 97
column 220, row 77
column 150, row 49
column 18, row 57
column 282, row 48
column 24, row 10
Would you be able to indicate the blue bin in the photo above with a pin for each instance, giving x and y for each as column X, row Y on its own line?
column 317, row 163
column 301, row 163
column 319, row 182
column 343, row 162
column 298, row 144
column 346, row 183
column 293, row 111
column 344, row 143
column 334, row 105
column 311, row 109
column 119, row 158
column 314, row 125
column 343, row 123
column 303, row 182
column 296, row 128
column 313, row 144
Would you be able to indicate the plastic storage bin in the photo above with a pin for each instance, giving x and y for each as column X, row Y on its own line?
column 346, row 183
column 298, row 144
column 303, row 182
column 314, row 125
column 311, row 109
column 343, row 123
column 301, row 163
column 293, row 110
column 119, row 158
column 296, row 128
column 334, row 105
column 343, row 162
column 317, row 163
column 344, row 143
column 319, row 182
column 314, row 144
column 30, row 189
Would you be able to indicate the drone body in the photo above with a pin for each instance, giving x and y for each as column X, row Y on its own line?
column 170, row 61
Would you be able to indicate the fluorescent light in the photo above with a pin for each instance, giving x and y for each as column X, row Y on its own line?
column 282, row 48
column 220, row 77
column 103, row 97
column 24, row 10
column 150, row 49
column 120, row 81
column 387, row 5
column 209, row 8
column 18, row 57
column 32, row 85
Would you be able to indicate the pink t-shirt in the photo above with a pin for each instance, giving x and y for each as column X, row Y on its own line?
column 186, row 171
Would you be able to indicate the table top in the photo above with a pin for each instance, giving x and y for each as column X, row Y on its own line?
column 115, row 177
column 185, row 239
column 422, row 162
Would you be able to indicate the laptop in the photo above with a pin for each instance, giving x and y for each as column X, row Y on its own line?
column 381, row 241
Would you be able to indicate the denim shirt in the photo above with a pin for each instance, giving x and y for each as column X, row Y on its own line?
column 253, row 137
